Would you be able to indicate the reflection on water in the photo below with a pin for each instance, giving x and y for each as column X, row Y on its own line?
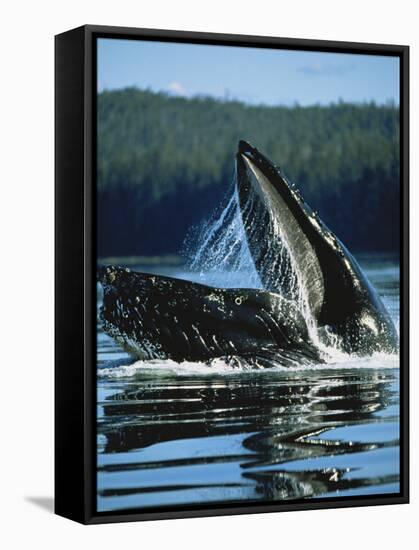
column 174, row 436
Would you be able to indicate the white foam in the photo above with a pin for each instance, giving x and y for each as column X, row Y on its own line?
column 167, row 367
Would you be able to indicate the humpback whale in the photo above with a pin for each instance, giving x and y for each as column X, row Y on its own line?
column 156, row 317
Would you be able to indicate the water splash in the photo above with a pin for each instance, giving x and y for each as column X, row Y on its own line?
column 220, row 250
column 220, row 247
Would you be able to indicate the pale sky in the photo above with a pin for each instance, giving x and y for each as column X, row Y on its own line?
column 252, row 75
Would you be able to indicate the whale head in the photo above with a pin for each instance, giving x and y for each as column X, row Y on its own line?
column 158, row 317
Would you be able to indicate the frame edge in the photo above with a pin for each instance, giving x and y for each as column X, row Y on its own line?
column 69, row 284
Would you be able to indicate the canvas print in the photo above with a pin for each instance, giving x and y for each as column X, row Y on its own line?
column 248, row 255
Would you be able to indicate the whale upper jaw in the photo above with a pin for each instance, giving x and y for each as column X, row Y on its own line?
column 159, row 317
column 335, row 292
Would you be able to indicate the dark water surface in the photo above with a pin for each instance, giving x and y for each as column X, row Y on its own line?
column 182, row 434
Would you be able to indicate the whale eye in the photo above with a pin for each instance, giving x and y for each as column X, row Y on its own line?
column 239, row 300
column 110, row 274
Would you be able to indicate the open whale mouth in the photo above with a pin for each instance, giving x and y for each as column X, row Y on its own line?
column 312, row 288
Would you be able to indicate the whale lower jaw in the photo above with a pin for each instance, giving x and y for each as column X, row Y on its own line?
column 336, row 293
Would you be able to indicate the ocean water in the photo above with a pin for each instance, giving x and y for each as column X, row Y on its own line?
column 183, row 434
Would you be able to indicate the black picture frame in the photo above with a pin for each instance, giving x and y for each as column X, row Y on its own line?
column 75, row 273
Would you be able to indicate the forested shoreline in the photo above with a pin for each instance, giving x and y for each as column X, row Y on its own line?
column 165, row 163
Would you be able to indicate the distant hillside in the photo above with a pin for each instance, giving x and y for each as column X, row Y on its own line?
column 165, row 162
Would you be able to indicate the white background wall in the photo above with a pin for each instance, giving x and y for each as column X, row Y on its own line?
column 26, row 271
